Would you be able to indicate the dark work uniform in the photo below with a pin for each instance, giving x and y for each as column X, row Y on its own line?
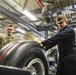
column 65, row 38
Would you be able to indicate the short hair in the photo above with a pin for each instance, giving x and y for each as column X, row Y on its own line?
column 60, row 17
column 10, row 25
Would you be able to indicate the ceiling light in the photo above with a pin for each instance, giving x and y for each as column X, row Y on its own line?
column 30, row 15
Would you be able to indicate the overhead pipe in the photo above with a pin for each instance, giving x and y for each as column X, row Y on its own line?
column 18, row 19
column 11, row 7
column 40, row 3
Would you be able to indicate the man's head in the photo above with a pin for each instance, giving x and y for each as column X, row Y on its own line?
column 9, row 30
column 61, row 21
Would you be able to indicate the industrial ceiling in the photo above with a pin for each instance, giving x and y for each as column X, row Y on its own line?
column 11, row 12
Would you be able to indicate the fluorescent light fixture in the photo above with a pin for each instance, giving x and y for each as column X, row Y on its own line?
column 20, row 30
column 28, row 14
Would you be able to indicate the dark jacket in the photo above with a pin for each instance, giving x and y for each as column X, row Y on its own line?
column 65, row 39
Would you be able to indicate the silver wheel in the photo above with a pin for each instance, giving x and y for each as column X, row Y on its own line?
column 36, row 67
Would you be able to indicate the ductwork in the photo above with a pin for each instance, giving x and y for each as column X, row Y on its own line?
column 11, row 6
column 19, row 20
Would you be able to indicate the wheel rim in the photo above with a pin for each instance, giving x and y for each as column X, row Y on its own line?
column 36, row 67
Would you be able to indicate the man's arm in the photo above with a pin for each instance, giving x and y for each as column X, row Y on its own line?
column 63, row 35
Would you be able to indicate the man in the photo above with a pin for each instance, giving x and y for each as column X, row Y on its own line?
column 8, row 37
column 65, row 38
